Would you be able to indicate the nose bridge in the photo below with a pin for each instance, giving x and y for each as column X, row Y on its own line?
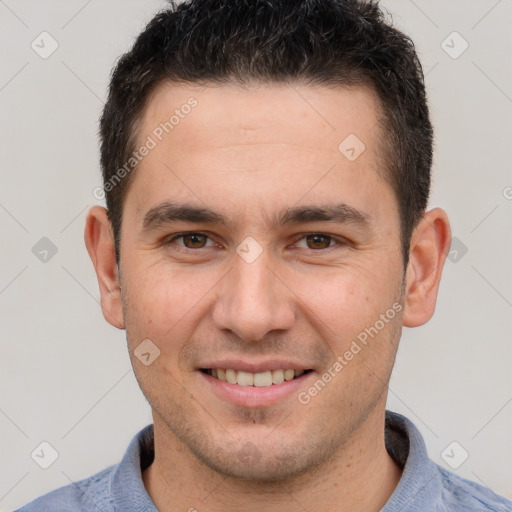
column 252, row 301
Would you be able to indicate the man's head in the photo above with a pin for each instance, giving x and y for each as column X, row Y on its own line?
column 317, row 42
column 265, row 230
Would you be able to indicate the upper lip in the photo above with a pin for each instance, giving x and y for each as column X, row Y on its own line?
column 253, row 366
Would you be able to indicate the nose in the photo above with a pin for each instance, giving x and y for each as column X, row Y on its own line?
column 253, row 300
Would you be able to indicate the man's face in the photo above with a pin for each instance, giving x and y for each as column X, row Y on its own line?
column 274, row 286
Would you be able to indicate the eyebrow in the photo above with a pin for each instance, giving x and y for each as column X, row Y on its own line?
column 169, row 212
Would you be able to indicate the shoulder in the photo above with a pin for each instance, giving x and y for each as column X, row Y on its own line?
column 426, row 485
column 90, row 494
column 460, row 494
column 112, row 489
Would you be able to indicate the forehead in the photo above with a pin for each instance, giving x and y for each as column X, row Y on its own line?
column 264, row 113
column 230, row 144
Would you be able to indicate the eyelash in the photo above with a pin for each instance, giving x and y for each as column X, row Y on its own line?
column 339, row 242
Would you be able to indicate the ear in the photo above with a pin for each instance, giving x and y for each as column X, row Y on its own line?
column 99, row 241
column 430, row 243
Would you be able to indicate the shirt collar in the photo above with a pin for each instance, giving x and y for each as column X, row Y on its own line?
column 419, row 482
column 126, row 484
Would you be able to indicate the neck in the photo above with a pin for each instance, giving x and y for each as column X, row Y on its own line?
column 360, row 476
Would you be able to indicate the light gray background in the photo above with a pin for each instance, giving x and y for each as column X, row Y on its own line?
column 65, row 374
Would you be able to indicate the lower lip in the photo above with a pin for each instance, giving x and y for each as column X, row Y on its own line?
column 252, row 396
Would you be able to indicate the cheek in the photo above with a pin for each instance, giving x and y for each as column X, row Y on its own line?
column 346, row 310
column 346, row 298
column 163, row 302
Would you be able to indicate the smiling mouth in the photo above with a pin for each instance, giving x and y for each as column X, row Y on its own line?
column 260, row 380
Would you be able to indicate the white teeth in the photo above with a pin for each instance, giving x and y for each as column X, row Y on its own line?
column 245, row 379
column 263, row 379
column 289, row 374
column 231, row 376
column 260, row 380
column 277, row 376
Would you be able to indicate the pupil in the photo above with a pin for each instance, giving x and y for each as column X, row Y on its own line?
column 317, row 240
column 193, row 240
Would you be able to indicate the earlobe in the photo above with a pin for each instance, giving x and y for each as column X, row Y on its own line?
column 429, row 247
column 100, row 246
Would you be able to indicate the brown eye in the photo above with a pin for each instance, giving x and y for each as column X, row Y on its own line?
column 318, row 241
column 190, row 240
column 194, row 240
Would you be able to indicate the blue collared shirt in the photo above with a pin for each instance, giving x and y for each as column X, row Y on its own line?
column 424, row 486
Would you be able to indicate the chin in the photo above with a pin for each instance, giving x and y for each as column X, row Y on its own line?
column 264, row 464
column 265, row 470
